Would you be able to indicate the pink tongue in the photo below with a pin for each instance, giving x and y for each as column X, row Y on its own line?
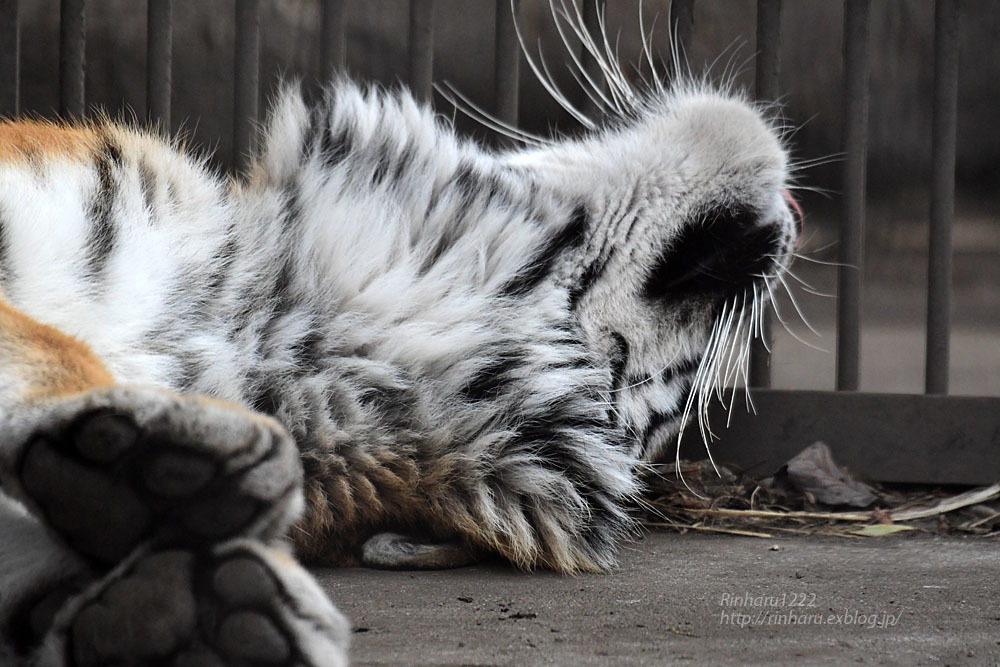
column 799, row 215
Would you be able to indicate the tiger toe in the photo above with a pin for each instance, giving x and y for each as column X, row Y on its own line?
column 113, row 468
column 238, row 603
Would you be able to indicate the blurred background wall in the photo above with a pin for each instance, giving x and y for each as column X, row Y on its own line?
column 902, row 36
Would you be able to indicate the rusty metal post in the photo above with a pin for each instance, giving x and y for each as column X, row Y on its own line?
column 507, row 62
column 332, row 39
column 767, row 88
column 682, row 24
column 159, row 35
column 421, row 48
column 852, row 223
column 247, row 79
column 945, row 121
column 10, row 59
column 72, row 63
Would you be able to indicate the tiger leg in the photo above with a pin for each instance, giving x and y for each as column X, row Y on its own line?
column 136, row 489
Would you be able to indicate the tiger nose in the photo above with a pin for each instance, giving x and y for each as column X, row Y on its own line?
column 796, row 213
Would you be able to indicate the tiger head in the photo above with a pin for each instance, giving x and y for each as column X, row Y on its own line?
column 689, row 227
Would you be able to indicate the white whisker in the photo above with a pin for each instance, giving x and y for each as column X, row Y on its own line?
column 483, row 117
column 824, row 263
column 575, row 60
column 544, row 77
column 795, row 305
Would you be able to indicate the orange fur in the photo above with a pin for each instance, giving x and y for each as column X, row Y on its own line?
column 26, row 139
column 348, row 501
column 57, row 364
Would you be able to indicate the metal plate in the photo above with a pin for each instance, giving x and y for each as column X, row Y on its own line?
column 887, row 437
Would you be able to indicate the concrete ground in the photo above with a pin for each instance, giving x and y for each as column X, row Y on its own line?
column 694, row 599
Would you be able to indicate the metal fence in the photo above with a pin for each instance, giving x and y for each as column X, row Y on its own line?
column 908, row 438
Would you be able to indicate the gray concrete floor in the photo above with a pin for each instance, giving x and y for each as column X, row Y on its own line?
column 694, row 599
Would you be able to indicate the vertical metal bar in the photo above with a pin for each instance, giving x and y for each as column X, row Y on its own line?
column 333, row 42
column 852, row 223
column 945, row 121
column 159, row 34
column 767, row 76
column 10, row 59
column 682, row 23
column 72, row 40
column 421, row 48
column 593, row 14
column 247, row 75
column 507, row 62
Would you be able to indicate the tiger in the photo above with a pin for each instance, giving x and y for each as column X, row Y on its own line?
column 383, row 345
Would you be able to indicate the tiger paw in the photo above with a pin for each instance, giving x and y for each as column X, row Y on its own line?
column 238, row 603
column 113, row 468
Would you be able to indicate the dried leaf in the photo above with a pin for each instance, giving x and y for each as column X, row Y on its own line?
column 814, row 473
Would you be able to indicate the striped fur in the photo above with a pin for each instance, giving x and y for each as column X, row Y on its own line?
column 468, row 347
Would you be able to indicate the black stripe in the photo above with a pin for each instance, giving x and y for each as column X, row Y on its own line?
column 683, row 370
column 4, row 252
column 391, row 403
column 498, row 190
column 444, row 243
column 463, row 179
column 226, row 257
column 577, row 362
column 292, row 210
column 267, row 402
column 334, row 148
column 657, row 421
column 587, row 280
column 571, row 236
column 191, row 370
column 402, row 162
column 489, row 381
column 619, row 359
column 553, row 443
column 308, row 352
column 281, row 299
column 103, row 232
column 467, row 183
column 466, row 179
column 381, row 169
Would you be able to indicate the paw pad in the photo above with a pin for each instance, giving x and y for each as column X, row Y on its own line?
column 127, row 465
column 180, row 608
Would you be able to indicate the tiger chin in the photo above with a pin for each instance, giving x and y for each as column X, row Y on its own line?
column 386, row 345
